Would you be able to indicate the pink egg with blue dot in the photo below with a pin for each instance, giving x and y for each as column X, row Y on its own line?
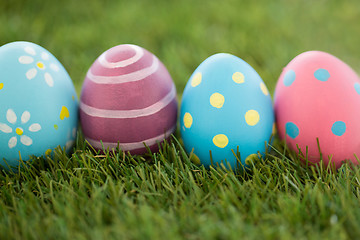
column 225, row 107
column 317, row 101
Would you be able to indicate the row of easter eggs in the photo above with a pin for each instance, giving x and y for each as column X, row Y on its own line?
column 128, row 99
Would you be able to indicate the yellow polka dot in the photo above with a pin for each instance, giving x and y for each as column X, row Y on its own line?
column 252, row 117
column 220, row 140
column 196, row 80
column 48, row 152
column 252, row 158
column 238, row 77
column 1, row 86
column 64, row 113
column 217, row 100
column 19, row 131
column 264, row 89
column 56, row 127
column 188, row 120
column 40, row 65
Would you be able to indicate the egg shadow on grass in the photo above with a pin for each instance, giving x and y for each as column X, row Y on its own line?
column 245, row 167
column 126, row 157
column 299, row 158
column 34, row 164
column 45, row 162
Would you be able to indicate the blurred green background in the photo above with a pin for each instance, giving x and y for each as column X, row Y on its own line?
column 266, row 34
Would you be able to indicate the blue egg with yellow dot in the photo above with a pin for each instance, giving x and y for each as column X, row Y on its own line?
column 38, row 103
column 226, row 112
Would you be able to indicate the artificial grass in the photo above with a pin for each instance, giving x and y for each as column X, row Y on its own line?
column 113, row 195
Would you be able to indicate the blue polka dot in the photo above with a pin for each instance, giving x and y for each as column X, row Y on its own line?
column 289, row 78
column 338, row 128
column 322, row 74
column 291, row 129
column 357, row 88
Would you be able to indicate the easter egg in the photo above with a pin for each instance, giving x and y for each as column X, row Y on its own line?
column 38, row 103
column 226, row 109
column 317, row 101
column 128, row 100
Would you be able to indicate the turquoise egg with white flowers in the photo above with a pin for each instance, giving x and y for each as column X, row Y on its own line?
column 226, row 112
column 38, row 103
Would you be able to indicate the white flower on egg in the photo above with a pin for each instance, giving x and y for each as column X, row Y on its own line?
column 40, row 65
column 19, row 131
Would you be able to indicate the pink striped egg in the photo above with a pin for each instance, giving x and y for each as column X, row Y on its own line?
column 128, row 99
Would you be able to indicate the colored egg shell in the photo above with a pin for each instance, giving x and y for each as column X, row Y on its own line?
column 318, row 97
column 225, row 105
column 38, row 103
column 128, row 98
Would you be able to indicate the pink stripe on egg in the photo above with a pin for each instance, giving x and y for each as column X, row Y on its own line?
column 129, row 129
column 107, row 64
column 128, row 96
column 98, row 112
column 130, row 77
column 133, row 145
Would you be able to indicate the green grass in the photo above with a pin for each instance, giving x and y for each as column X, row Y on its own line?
column 89, row 195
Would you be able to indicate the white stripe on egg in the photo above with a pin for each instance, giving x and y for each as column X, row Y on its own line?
column 138, row 55
column 130, row 77
column 152, row 109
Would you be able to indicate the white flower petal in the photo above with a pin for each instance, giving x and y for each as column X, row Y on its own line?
column 30, row 50
column 25, row 117
column 31, row 73
column 25, row 59
column 54, row 67
column 26, row 140
column 11, row 116
column 5, row 128
column 44, row 56
column 48, row 79
column 35, row 127
column 12, row 142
